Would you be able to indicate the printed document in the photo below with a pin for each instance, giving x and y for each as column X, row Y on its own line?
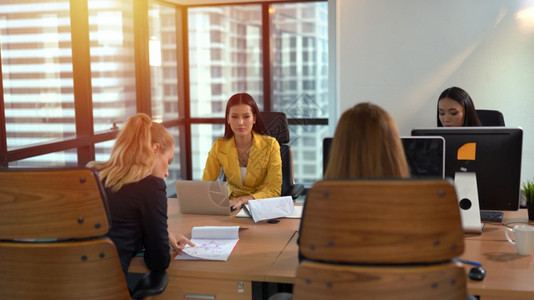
column 211, row 243
column 269, row 208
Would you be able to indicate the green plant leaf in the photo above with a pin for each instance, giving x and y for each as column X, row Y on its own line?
column 528, row 190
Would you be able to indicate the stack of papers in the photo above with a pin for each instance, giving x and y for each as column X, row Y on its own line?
column 268, row 208
column 211, row 243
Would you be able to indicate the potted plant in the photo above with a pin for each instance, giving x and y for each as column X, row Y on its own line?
column 528, row 191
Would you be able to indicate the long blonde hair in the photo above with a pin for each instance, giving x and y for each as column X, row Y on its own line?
column 366, row 144
column 132, row 157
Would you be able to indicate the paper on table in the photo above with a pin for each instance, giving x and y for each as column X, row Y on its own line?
column 297, row 215
column 211, row 243
column 271, row 208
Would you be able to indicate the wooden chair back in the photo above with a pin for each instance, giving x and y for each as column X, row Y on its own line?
column 381, row 222
column 321, row 281
column 52, row 223
column 381, row 239
column 87, row 269
column 51, row 203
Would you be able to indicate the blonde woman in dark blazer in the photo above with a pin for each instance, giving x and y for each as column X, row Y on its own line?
column 133, row 178
column 249, row 158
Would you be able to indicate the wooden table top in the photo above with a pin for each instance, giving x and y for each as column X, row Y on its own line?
column 260, row 244
column 269, row 252
column 507, row 273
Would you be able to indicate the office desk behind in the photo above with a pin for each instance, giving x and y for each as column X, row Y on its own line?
column 495, row 231
column 509, row 275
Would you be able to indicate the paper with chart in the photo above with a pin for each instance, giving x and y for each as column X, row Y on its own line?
column 211, row 243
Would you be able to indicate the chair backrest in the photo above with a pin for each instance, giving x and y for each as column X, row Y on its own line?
column 52, row 223
column 320, row 281
column 51, row 203
column 381, row 239
column 381, row 221
column 277, row 125
column 61, row 270
column 490, row 117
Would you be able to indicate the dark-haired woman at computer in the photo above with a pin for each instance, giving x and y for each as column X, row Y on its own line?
column 249, row 158
column 456, row 109
column 136, row 193
column 366, row 144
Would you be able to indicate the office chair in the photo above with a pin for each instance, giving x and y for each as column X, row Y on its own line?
column 52, row 243
column 490, row 117
column 380, row 239
column 276, row 124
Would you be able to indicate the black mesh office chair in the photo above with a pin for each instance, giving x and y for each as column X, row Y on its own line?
column 490, row 117
column 276, row 123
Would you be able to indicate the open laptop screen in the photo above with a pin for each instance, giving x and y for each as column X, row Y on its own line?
column 202, row 197
column 425, row 155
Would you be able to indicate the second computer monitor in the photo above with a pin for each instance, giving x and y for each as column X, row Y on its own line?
column 492, row 153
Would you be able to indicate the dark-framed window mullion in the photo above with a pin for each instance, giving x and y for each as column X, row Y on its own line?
column 3, row 133
column 81, row 68
column 307, row 121
column 266, row 49
column 184, row 101
column 142, row 63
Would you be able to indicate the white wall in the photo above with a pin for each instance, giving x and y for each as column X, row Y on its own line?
column 402, row 54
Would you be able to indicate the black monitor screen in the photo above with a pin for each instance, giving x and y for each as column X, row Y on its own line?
column 425, row 155
column 327, row 142
column 492, row 153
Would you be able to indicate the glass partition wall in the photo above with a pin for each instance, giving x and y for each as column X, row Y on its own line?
column 74, row 70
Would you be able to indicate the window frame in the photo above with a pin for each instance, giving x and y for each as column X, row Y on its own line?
column 86, row 138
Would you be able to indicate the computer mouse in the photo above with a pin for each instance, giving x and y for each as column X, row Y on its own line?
column 477, row 273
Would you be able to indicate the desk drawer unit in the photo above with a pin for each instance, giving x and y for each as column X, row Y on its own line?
column 206, row 289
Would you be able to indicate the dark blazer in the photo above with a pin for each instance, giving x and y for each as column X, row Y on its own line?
column 139, row 222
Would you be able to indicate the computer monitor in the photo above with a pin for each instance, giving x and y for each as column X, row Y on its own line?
column 425, row 155
column 327, row 143
column 496, row 161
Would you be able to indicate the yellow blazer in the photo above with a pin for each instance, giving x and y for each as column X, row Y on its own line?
column 264, row 167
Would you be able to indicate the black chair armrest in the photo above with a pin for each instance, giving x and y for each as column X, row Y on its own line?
column 296, row 190
column 152, row 283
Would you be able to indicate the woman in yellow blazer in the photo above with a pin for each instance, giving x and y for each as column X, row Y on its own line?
column 249, row 158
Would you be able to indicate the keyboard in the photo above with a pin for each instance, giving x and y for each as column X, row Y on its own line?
column 491, row 216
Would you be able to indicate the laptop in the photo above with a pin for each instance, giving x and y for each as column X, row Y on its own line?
column 425, row 155
column 203, row 197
